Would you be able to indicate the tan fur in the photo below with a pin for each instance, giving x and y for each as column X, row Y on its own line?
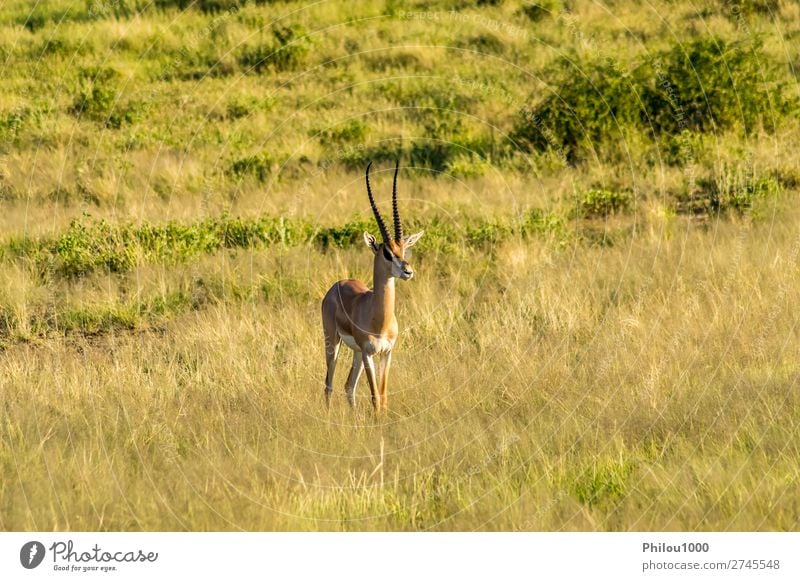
column 367, row 315
column 351, row 309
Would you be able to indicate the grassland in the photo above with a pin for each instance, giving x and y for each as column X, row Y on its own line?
column 602, row 333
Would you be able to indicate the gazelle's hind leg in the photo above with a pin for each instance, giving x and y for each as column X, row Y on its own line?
column 352, row 379
column 332, row 343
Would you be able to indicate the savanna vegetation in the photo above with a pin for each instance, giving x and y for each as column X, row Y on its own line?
column 602, row 333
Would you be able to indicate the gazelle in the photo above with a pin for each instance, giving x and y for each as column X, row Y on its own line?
column 364, row 318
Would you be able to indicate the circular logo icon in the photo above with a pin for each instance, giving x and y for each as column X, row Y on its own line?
column 31, row 554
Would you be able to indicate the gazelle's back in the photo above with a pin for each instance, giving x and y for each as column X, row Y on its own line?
column 340, row 300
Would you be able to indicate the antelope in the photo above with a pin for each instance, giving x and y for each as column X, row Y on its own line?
column 363, row 318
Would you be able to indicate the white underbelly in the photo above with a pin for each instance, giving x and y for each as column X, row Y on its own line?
column 376, row 344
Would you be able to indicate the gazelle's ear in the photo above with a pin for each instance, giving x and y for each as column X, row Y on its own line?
column 409, row 241
column 369, row 239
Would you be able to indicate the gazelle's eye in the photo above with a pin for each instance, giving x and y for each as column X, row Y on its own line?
column 386, row 254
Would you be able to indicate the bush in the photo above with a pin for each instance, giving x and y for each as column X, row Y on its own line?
column 349, row 131
column 683, row 148
column 393, row 60
column 589, row 107
column 287, row 51
column 99, row 99
column 484, row 43
column 258, row 166
column 88, row 247
column 205, row 61
column 487, row 234
column 237, row 109
column 705, row 85
column 208, row 6
column 541, row 9
column 711, row 84
column 357, row 157
column 431, row 154
column 467, row 165
column 97, row 9
column 82, row 250
column 538, row 222
column 420, row 98
column 734, row 9
column 596, row 203
column 346, row 235
column 730, row 189
column 12, row 123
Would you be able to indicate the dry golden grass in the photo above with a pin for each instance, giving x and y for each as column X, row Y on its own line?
column 651, row 385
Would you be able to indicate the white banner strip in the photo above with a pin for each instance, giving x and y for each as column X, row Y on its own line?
column 387, row 556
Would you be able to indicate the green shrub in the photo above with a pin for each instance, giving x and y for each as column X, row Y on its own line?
column 43, row 13
column 287, row 51
column 735, row 9
column 731, row 188
column 592, row 106
column 97, row 9
column 96, row 320
column 357, row 157
column 484, row 43
column 240, row 107
column 446, row 143
column 419, row 98
column 237, row 109
column 441, row 237
column 12, row 123
column 346, row 235
column 347, row 132
column 538, row 222
column 99, row 99
column 467, row 165
column 392, row 60
column 596, row 203
column 36, row 20
column 705, row 85
column 487, row 234
column 205, row 61
column 431, row 154
column 711, row 84
column 82, row 250
column 682, row 148
column 258, row 166
column 541, row 9
column 87, row 247
column 437, row 154
column 208, row 6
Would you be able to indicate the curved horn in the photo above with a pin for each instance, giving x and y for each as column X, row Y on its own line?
column 398, row 224
column 378, row 218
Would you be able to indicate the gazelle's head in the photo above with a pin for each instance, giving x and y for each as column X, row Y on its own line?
column 392, row 253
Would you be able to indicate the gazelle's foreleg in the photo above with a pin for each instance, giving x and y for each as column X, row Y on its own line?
column 384, row 380
column 332, row 343
column 352, row 379
column 369, row 367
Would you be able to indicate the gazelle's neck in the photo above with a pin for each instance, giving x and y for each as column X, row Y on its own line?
column 383, row 297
